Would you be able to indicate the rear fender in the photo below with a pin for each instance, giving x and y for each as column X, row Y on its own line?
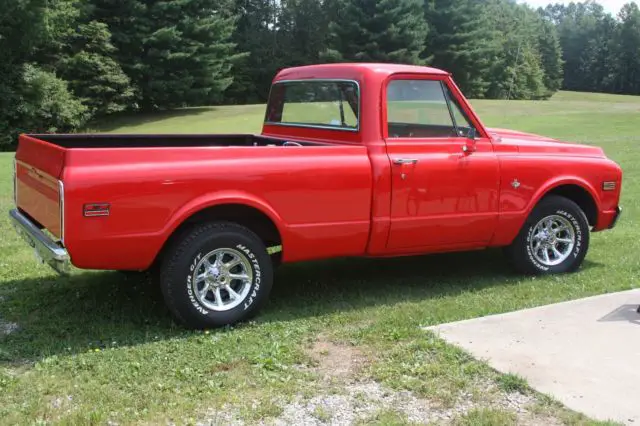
column 222, row 198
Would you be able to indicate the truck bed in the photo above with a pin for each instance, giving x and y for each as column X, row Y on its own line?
column 153, row 183
column 71, row 141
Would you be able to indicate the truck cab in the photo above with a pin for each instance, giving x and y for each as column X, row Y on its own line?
column 443, row 181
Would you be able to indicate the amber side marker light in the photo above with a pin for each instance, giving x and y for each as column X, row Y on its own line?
column 609, row 186
column 96, row 209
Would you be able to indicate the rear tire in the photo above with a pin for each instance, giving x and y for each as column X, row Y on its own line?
column 216, row 274
column 556, row 226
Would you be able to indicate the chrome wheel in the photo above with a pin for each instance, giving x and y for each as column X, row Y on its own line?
column 222, row 279
column 552, row 240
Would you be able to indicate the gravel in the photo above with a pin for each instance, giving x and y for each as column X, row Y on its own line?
column 360, row 401
column 356, row 399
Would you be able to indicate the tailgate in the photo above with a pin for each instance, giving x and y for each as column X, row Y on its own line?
column 38, row 188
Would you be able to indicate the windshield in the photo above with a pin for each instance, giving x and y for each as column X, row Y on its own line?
column 317, row 103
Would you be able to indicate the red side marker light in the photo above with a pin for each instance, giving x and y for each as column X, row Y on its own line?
column 96, row 209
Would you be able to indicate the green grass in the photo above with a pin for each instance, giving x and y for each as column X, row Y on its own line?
column 513, row 383
column 486, row 417
column 98, row 346
column 220, row 119
column 386, row 418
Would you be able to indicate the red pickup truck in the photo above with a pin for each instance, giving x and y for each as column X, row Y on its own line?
column 353, row 160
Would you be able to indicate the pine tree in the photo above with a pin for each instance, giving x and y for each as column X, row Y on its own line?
column 176, row 52
column 551, row 56
column 376, row 31
column 518, row 71
column 628, row 55
column 578, row 29
column 128, row 23
column 598, row 60
column 462, row 42
column 257, row 33
column 303, row 27
column 93, row 74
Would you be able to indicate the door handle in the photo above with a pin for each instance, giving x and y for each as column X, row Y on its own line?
column 400, row 161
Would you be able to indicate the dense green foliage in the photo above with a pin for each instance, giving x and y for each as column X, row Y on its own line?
column 375, row 31
column 463, row 41
column 69, row 61
column 32, row 96
column 601, row 52
column 176, row 52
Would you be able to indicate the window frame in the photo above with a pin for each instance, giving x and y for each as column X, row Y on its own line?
column 317, row 126
column 446, row 83
column 452, row 100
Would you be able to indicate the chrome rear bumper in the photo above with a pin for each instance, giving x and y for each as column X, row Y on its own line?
column 47, row 250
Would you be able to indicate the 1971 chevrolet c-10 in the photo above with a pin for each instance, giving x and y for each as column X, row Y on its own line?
column 353, row 160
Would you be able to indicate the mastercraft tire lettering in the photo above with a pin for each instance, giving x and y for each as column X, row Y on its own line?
column 216, row 274
column 257, row 279
column 554, row 239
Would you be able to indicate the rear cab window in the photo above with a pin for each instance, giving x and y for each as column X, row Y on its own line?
column 424, row 109
column 332, row 104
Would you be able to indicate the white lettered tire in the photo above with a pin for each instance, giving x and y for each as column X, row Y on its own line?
column 553, row 240
column 217, row 274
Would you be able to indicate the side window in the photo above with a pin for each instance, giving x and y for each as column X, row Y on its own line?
column 418, row 109
column 463, row 123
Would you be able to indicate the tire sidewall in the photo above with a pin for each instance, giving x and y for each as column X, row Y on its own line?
column 180, row 275
column 580, row 228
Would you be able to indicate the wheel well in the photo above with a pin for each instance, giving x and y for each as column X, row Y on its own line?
column 581, row 197
column 249, row 217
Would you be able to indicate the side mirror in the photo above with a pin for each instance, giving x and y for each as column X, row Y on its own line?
column 470, row 144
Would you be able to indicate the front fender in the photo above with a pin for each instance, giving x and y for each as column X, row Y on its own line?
column 557, row 182
column 511, row 220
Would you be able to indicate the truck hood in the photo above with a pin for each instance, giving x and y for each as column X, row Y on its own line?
column 512, row 140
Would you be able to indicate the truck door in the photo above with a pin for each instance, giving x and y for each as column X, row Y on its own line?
column 445, row 178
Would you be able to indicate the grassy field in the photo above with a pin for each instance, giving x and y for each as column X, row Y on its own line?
column 99, row 347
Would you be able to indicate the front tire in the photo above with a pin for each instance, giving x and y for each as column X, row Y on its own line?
column 553, row 240
column 217, row 274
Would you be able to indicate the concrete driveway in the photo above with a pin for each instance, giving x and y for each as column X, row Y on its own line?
column 585, row 353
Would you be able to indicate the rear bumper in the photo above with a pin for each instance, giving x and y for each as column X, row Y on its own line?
column 47, row 250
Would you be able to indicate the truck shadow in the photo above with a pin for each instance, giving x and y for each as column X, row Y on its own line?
column 94, row 310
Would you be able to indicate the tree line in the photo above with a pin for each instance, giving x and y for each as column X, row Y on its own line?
column 66, row 62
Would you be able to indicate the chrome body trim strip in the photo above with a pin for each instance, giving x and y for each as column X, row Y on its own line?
column 61, row 197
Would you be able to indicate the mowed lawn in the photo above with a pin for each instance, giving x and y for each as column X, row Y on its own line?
column 100, row 347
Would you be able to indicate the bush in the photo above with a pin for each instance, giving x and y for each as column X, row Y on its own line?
column 43, row 104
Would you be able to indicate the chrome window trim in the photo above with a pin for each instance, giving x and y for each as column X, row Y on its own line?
column 316, row 126
column 443, row 88
column 15, row 182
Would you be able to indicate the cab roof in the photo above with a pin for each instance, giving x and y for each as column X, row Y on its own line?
column 353, row 71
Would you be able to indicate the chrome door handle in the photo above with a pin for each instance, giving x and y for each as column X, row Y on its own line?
column 400, row 161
